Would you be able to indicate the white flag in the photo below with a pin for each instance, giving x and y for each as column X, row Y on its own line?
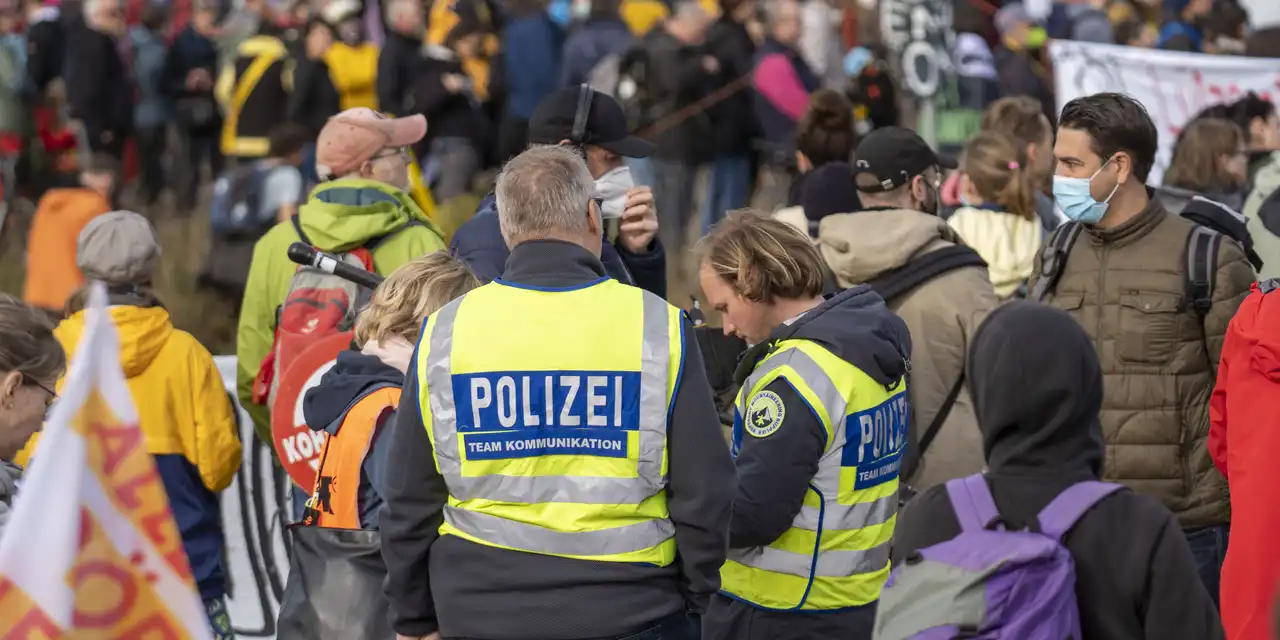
column 91, row 549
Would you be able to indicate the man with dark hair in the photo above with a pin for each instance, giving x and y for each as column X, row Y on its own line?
column 1155, row 292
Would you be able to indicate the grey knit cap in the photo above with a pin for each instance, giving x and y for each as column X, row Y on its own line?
column 119, row 247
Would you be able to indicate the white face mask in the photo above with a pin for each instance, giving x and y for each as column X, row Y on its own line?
column 611, row 189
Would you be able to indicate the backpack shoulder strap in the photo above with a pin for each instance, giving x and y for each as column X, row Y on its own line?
column 971, row 500
column 1203, row 245
column 376, row 242
column 297, row 226
column 892, row 284
column 1057, row 518
column 1053, row 258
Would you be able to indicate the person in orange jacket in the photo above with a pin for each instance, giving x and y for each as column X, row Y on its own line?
column 52, row 274
column 1244, row 436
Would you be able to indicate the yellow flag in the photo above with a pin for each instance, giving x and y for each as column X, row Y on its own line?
column 91, row 549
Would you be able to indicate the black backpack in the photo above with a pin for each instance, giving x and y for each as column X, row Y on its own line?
column 1213, row 222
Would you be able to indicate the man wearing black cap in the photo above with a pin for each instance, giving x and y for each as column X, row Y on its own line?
column 636, row 256
column 898, row 178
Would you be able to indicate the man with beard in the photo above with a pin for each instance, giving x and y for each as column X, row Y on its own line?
column 897, row 231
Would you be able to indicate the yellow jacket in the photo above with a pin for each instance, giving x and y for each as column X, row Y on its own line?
column 183, row 408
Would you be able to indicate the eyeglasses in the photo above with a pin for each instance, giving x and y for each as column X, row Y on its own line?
column 403, row 152
column 53, row 395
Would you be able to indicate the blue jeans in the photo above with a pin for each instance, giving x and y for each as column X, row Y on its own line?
column 727, row 188
column 1209, row 548
column 674, row 627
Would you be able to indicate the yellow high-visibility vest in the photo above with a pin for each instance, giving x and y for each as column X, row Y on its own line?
column 547, row 410
column 836, row 552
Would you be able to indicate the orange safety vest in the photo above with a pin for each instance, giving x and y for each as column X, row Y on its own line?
column 336, row 499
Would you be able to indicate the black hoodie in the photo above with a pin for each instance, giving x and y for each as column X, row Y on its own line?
column 1037, row 390
column 324, row 407
column 775, row 471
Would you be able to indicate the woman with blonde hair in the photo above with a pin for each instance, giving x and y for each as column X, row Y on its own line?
column 360, row 394
column 31, row 361
column 816, row 365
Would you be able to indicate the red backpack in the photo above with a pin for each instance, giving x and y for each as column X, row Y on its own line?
column 317, row 304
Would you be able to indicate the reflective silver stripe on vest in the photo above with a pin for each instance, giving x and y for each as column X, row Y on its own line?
column 846, row 517
column 813, row 375
column 654, row 372
column 520, row 535
column 832, row 516
column 831, row 564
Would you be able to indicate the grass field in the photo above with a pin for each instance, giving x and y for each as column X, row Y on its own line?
column 184, row 242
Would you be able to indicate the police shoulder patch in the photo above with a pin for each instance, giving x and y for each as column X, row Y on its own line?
column 764, row 414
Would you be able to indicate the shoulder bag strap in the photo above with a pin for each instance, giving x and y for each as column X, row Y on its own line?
column 916, row 457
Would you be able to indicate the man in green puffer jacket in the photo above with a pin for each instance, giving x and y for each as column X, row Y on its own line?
column 362, row 154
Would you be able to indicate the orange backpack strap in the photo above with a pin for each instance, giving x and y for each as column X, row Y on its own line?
column 336, row 501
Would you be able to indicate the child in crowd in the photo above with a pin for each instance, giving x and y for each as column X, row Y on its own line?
column 51, row 274
column 183, row 409
column 998, row 213
column 386, row 332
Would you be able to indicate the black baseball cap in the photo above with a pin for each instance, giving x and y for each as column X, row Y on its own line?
column 552, row 121
column 894, row 156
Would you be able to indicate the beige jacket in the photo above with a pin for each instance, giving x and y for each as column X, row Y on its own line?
column 1126, row 286
column 941, row 314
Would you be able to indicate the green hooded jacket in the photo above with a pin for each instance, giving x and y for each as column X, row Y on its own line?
column 339, row 216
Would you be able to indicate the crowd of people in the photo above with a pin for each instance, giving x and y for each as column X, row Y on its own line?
column 1011, row 391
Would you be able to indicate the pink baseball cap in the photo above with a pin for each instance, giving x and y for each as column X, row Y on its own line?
column 355, row 136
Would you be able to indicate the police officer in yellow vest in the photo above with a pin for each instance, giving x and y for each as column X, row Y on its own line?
column 818, row 436
column 558, row 471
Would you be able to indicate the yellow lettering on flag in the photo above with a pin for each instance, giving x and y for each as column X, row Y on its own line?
column 91, row 549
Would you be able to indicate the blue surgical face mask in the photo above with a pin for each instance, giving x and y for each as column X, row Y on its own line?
column 1073, row 196
column 560, row 12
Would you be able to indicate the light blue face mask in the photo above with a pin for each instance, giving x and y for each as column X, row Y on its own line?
column 560, row 12
column 1073, row 196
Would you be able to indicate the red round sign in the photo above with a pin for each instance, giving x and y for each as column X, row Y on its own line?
column 297, row 446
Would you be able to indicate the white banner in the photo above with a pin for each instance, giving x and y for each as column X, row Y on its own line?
column 255, row 509
column 1172, row 85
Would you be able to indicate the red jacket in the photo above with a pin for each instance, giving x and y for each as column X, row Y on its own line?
column 1244, row 437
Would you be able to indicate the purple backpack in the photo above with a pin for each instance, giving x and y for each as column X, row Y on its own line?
column 990, row 582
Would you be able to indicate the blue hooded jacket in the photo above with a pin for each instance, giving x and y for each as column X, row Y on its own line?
column 354, row 376
column 479, row 243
